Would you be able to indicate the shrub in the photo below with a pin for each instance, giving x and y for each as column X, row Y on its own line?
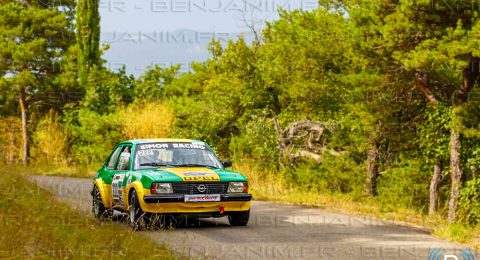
column 10, row 139
column 258, row 141
column 146, row 120
column 93, row 135
column 335, row 174
column 469, row 203
column 50, row 140
column 404, row 185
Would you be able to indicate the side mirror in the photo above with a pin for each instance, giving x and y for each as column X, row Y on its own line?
column 227, row 164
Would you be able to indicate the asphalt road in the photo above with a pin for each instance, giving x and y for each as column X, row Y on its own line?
column 277, row 231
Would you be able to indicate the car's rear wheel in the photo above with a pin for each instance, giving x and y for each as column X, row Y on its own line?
column 136, row 215
column 239, row 219
column 98, row 207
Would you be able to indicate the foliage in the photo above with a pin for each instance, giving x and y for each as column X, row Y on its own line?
column 50, row 140
column 408, row 177
column 257, row 140
column 456, row 232
column 106, row 90
column 150, row 86
column 305, row 57
column 470, row 202
column 142, row 120
column 336, row 174
column 353, row 64
column 10, row 138
column 88, row 37
column 33, row 41
column 433, row 133
column 93, row 135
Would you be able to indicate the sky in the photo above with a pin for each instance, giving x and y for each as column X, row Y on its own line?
column 144, row 33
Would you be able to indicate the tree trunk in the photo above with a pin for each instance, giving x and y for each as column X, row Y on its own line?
column 434, row 187
column 437, row 169
column 22, row 100
column 470, row 78
column 372, row 171
column 456, row 175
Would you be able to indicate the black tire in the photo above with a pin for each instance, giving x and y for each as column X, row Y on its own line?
column 161, row 221
column 136, row 216
column 239, row 219
column 98, row 208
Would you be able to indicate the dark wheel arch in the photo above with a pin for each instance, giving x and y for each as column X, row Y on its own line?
column 239, row 218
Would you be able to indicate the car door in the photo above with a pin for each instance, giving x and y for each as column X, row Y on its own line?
column 109, row 168
column 122, row 168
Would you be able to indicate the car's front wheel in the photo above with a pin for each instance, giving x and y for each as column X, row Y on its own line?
column 135, row 212
column 239, row 219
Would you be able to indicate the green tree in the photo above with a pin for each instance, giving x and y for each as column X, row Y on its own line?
column 441, row 47
column 88, row 38
column 105, row 90
column 150, row 86
column 324, row 67
column 33, row 41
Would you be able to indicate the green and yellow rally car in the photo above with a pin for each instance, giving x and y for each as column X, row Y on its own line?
column 174, row 177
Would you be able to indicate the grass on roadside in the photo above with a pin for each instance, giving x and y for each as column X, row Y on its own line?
column 36, row 225
column 64, row 170
column 457, row 232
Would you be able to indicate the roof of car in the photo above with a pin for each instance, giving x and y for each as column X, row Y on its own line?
column 160, row 140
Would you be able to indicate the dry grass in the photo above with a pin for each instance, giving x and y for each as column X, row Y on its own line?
column 10, row 139
column 146, row 120
column 50, row 141
column 73, row 170
column 36, row 225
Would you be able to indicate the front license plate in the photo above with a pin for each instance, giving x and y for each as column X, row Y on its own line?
column 202, row 198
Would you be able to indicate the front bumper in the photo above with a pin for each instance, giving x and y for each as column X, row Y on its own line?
column 180, row 198
column 175, row 204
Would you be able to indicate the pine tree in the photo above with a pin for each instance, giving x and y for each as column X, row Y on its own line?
column 436, row 44
column 34, row 38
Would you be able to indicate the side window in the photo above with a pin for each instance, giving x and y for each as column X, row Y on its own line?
column 113, row 159
column 124, row 159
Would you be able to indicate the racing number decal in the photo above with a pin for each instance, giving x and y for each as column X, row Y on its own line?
column 145, row 152
column 117, row 187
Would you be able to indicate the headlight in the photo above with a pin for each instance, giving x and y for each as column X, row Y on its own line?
column 238, row 187
column 161, row 188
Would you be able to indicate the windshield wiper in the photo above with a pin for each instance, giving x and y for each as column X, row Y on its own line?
column 158, row 164
column 196, row 165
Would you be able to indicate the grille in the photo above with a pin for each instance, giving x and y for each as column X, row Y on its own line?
column 192, row 188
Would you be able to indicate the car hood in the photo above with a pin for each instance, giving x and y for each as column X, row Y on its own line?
column 192, row 174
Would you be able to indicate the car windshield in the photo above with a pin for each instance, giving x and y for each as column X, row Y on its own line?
column 154, row 155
